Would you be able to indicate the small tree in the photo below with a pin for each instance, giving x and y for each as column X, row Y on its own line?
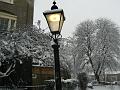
column 83, row 80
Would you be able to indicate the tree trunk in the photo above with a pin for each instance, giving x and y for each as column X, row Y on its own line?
column 97, row 78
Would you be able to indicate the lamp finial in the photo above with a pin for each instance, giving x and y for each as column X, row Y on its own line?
column 54, row 6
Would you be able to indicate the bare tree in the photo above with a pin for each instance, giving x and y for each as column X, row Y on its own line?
column 65, row 58
column 73, row 51
column 98, row 45
column 85, row 34
column 9, row 70
column 107, row 50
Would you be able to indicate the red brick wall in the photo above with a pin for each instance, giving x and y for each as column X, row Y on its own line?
column 42, row 73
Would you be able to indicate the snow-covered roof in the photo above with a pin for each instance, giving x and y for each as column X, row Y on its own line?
column 113, row 72
column 41, row 66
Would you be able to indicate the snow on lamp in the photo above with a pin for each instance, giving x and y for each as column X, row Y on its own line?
column 55, row 19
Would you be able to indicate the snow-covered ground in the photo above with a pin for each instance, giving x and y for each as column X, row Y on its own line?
column 103, row 88
column 108, row 87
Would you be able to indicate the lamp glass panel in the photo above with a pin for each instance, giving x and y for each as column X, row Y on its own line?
column 61, row 22
column 54, row 21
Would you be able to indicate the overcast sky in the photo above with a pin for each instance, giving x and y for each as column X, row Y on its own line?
column 77, row 11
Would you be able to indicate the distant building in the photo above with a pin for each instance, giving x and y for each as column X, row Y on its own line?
column 108, row 76
column 112, row 76
column 15, row 13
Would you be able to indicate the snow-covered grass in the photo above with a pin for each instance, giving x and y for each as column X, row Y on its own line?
column 68, row 83
column 69, row 80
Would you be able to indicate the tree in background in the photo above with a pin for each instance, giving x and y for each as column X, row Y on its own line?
column 85, row 40
column 98, row 44
column 107, row 51
column 65, row 59
column 72, row 53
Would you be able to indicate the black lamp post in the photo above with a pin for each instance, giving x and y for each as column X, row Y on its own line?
column 55, row 19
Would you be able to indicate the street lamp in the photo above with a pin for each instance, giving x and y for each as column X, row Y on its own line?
column 55, row 19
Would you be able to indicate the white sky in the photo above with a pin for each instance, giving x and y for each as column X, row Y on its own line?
column 77, row 11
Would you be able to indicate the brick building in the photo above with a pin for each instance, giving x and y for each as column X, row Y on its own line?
column 15, row 13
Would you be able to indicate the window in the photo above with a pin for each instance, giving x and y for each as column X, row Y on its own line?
column 3, row 23
column 7, row 21
column 8, row 1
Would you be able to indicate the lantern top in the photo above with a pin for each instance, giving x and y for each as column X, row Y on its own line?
column 54, row 11
column 54, row 6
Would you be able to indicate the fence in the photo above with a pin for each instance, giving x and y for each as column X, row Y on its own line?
column 39, row 87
